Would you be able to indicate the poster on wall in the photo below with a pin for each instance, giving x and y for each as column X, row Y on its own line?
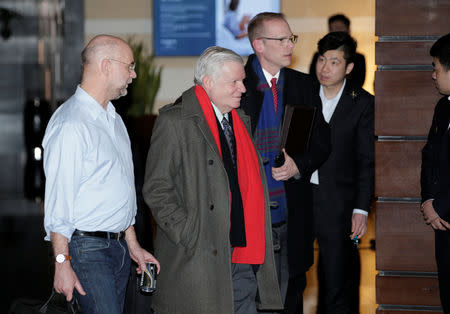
column 187, row 27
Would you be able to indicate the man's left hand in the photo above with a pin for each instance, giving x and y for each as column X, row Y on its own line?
column 137, row 253
column 141, row 256
column 287, row 171
column 359, row 226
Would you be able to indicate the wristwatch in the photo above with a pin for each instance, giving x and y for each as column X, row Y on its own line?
column 60, row 258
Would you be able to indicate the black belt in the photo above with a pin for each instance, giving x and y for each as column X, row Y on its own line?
column 100, row 234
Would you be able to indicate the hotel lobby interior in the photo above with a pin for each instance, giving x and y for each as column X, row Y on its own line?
column 41, row 42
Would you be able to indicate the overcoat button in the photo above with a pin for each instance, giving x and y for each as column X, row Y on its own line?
column 211, row 207
column 215, row 252
column 210, row 162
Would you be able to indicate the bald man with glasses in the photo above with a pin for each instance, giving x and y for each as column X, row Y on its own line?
column 270, row 86
column 90, row 197
column 131, row 65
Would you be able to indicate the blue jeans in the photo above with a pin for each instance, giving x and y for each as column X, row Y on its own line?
column 103, row 268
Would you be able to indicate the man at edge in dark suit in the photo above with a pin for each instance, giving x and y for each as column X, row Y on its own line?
column 343, row 185
column 270, row 86
column 435, row 176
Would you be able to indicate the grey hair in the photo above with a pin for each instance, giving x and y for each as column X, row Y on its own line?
column 211, row 61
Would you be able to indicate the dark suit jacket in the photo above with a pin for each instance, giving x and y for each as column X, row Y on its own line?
column 346, row 179
column 297, row 90
column 435, row 176
column 358, row 74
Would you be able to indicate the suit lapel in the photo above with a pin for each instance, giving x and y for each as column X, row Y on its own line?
column 343, row 106
column 252, row 100
column 447, row 124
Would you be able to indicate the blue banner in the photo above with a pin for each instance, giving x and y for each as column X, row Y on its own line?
column 187, row 27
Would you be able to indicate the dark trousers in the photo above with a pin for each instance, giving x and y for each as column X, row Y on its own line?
column 442, row 252
column 294, row 297
column 279, row 237
column 245, row 287
column 338, row 274
column 338, row 268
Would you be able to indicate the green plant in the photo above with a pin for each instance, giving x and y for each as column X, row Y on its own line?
column 145, row 87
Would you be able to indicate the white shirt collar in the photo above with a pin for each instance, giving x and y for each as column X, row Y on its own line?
column 269, row 76
column 219, row 114
column 329, row 105
column 335, row 98
column 92, row 106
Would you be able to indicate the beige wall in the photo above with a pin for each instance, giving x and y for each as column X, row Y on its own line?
column 308, row 18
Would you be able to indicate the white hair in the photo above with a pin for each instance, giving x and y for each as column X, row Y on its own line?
column 211, row 61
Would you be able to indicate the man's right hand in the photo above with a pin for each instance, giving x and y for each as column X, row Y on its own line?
column 440, row 224
column 432, row 218
column 66, row 279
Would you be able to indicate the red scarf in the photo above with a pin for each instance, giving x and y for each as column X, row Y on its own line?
column 250, row 183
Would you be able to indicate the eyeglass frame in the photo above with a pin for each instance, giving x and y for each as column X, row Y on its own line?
column 293, row 39
column 131, row 66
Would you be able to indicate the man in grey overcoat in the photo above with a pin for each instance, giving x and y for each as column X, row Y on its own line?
column 207, row 191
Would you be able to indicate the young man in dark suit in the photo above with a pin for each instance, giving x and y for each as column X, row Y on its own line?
column 270, row 86
column 435, row 176
column 343, row 185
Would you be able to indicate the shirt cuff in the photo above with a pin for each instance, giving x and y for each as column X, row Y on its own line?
column 360, row 211
column 315, row 177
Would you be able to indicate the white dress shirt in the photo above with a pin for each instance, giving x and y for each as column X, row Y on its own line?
column 89, row 169
column 449, row 123
column 219, row 114
column 328, row 108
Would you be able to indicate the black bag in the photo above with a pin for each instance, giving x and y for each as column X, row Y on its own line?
column 56, row 304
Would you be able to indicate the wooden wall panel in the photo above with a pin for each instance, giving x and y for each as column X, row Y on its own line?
column 403, row 53
column 412, row 17
column 404, row 102
column 404, row 241
column 407, row 290
column 405, row 97
column 397, row 168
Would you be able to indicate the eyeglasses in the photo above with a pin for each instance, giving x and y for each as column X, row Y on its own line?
column 131, row 66
column 283, row 40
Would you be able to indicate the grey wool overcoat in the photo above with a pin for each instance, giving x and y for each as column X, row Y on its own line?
column 186, row 187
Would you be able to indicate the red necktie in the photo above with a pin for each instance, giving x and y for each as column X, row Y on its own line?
column 273, row 81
